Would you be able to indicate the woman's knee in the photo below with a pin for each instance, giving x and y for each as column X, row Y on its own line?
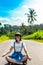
column 9, row 59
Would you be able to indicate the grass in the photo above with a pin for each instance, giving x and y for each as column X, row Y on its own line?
column 37, row 40
column 36, row 36
column 3, row 38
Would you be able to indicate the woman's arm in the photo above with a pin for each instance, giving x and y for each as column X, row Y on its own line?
column 25, row 49
column 8, row 51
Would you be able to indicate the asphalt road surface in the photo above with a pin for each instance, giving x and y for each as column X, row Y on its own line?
column 35, row 50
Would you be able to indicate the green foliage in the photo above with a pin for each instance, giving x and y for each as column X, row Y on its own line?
column 11, row 35
column 36, row 35
column 37, row 40
column 23, row 29
column 3, row 38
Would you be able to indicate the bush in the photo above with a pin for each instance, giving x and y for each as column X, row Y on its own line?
column 3, row 38
column 11, row 35
column 36, row 35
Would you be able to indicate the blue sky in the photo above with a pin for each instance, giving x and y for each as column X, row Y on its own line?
column 12, row 11
column 7, row 5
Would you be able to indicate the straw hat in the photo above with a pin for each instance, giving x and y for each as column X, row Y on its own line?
column 18, row 34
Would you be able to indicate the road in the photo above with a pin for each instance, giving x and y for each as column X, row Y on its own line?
column 35, row 50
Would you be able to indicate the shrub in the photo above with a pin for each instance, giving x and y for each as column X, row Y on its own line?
column 3, row 38
column 36, row 35
column 11, row 35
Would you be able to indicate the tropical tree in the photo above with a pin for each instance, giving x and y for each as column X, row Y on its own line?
column 0, row 24
column 31, row 17
column 23, row 29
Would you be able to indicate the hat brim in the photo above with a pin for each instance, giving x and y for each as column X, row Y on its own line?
column 17, row 35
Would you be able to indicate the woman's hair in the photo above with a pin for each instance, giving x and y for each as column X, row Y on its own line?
column 18, row 34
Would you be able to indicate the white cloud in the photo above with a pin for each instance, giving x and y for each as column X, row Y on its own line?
column 18, row 21
column 1, row 18
column 4, row 20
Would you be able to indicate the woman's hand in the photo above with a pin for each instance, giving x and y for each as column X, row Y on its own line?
column 29, row 58
column 3, row 55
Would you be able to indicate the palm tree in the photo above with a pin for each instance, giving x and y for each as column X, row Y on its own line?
column 0, row 25
column 31, row 15
column 23, row 29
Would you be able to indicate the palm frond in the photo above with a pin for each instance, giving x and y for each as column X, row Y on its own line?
column 35, row 15
column 35, row 19
column 28, row 19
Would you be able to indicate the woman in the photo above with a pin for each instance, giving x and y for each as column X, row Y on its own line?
column 17, row 57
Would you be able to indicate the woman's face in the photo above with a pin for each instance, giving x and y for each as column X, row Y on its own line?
column 18, row 38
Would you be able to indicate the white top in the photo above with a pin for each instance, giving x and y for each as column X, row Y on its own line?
column 18, row 45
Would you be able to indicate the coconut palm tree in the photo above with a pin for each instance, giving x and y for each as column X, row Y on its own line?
column 0, row 25
column 23, row 29
column 31, row 16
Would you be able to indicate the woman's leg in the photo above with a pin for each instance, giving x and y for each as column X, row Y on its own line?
column 9, row 60
column 12, row 61
column 24, row 58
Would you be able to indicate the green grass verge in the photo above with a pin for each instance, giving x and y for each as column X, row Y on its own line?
column 37, row 40
column 3, row 38
column 37, row 35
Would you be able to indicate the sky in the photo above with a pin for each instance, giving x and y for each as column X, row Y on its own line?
column 13, row 11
